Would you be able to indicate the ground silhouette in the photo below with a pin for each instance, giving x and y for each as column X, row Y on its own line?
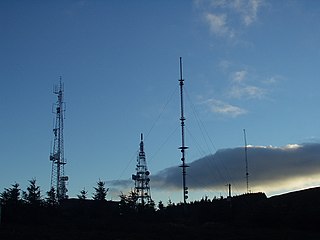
column 250, row 216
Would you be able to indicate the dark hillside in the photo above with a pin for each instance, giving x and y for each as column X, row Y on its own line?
column 299, row 209
column 250, row 216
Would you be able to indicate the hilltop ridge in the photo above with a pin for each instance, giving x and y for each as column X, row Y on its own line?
column 292, row 215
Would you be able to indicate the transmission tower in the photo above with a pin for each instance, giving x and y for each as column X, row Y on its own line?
column 141, row 178
column 58, row 179
column 183, row 147
column 246, row 159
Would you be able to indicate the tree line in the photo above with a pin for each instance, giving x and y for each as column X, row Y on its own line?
column 32, row 196
column 26, row 213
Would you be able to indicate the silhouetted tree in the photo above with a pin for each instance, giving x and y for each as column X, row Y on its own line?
column 170, row 203
column 51, row 198
column 101, row 191
column 205, row 199
column 83, row 194
column 4, row 197
column 11, row 195
column 32, row 196
column 128, row 202
column 150, row 207
column 160, row 205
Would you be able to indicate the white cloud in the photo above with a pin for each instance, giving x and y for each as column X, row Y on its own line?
column 292, row 146
column 241, row 89
column 249, row 92
column 226, row 17
column 223, row 108
column 248, row 9
column 239, row 76
column 273, row 80
column 218, row 24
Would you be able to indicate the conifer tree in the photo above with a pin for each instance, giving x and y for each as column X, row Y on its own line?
column 11, row 195
column 128, row 203
column 101, row 191
column 33, row 195
column 4, row 197
column 160, row 205
column 83, row 194
column 51, row 198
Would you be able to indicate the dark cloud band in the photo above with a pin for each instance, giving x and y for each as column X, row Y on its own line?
column 267, row 166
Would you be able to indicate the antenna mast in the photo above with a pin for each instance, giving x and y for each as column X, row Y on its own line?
column 183, row 147
column 141, row 178
column 246, row 158
column 58, row 179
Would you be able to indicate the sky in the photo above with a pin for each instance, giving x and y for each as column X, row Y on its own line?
column 247, row 64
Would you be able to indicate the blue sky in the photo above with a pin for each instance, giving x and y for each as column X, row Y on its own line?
column 249, row 64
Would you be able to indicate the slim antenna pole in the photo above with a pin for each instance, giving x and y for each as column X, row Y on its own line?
column 246, row 158
column 183, row 147
column 229, row 190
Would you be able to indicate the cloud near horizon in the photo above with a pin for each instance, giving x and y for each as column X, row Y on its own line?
column 271, row 169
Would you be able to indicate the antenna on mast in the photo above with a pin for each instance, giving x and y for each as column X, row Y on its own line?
column 246, row 158
column 142, row 178
column 183, row 147
column 58, row 178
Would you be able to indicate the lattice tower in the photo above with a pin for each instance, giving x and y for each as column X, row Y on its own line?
column 141, row 178
column 58, row 179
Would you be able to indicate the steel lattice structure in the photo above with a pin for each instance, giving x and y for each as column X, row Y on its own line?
column 58, row 179
column 141, row 178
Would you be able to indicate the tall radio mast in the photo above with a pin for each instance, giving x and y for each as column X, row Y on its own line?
column 183, row 147
column 58, row 179
column 246, row 158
